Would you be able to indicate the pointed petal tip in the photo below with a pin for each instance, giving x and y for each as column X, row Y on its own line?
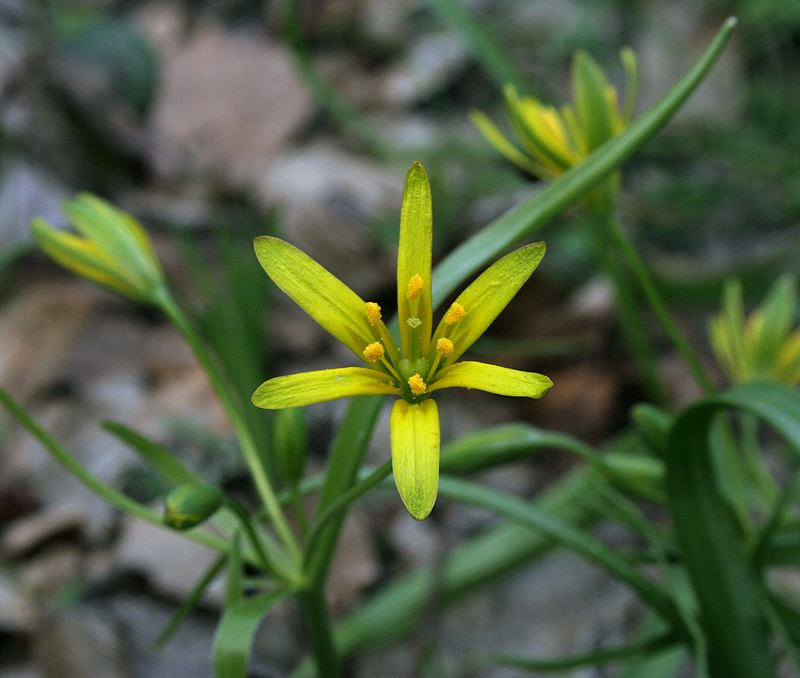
column 420, row 512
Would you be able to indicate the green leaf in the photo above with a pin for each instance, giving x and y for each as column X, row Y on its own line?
column 233, row 582
column 648, row 647
column 501, row 444
column 236, row 631
column 190, row 602
column 725, row 581
column 158, row 456
column 653, row 424
column 520, row 222
column 523, row 512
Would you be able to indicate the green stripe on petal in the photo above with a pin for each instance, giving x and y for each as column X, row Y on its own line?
column 488, row 295
column 415, row 454
column 414, row 253
column 494, row 379
column 305, row 388
column 319, row 293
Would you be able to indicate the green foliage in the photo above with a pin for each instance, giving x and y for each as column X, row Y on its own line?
column 705, row 588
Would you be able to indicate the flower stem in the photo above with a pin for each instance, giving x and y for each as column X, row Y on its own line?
column 320, row 633
column 630, row 315
column 246, row 442
column 621, row 241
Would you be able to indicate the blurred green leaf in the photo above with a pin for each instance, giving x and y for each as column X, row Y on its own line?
column 158, row 456
column 727, row 587
column 236, row 630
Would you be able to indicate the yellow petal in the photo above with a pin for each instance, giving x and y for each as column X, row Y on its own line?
column 488, row 295
column 319, row 293
column 305, row 388
column 82, row 257
column 414, row 253
column 525, row 117
column 415, row 454
column 495, row 137
column 494, row 379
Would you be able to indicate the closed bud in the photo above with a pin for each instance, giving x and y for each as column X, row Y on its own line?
column 653, row 425
column 290, row 443
column 189, row 505
column 110, row 248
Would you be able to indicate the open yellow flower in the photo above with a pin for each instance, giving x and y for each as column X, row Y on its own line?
column 426, row 359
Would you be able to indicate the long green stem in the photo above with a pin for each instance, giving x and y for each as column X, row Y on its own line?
column 320, row 632
column 628, row 251
column 631, row 318
column 246, row 442
column 111, row 495
column 342, row 503
column 266, row 562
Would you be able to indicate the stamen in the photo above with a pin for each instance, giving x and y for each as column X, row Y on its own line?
column 454, row 314
column 374, row 351
column 373, row 313
column 415, row 286
column 445, row 347
column 414, row 323
column 418, row 386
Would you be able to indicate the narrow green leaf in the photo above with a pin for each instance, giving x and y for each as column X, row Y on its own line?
column 520, row 222
column 190, row 602
column 504, row 443
column 236, row 631
column 725, row 582
column 518, row 510
column 233, row 582
column 158, row 456
column 647, row 647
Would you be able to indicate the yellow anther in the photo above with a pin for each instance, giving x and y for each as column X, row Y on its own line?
column 374, row 351
column 454, row 314
column 445, row 347
column 418, row 386
column 373, row 313
column 415, row 286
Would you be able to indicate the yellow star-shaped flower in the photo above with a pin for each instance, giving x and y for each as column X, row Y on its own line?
column 425, row 361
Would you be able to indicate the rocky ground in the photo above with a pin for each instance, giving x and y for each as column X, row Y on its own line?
column 84, row 591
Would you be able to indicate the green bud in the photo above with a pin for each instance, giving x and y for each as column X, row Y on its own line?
column 290, row 443
column 111, row 248
column 639, row 476
column 189, row 505
column 653, row 425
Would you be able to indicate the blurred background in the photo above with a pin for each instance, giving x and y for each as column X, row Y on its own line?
column 213, row 121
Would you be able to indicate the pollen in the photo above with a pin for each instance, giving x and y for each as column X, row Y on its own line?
column 373, row 313
column 414, row 323
column 445, row 347
column 418, row 386
column 454, row 314
column 415, row 286
column 374, row 351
